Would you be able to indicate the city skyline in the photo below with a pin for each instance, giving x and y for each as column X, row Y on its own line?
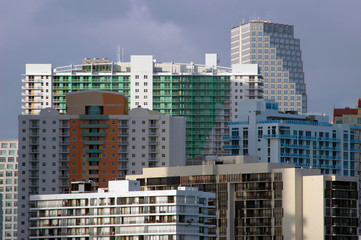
column 36, row 33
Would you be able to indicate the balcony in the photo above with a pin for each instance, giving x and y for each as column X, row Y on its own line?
column 122, row 143
column 231, row 147
column 123, row 126
column 63, row 184
column 64, row 150
column 34, row 134
column 153, row 151
column 123, row 134
column 153, row 143
column 120, row 167
column 94, row 151
column 64, row 167
column 94, row 134
column 231, row 137
column 94, row 117
column 123, row 159
column 153, row 126
column 93, row 125
column 123, row 150
column 64, row 125
column 93, row 142
column 34, row 167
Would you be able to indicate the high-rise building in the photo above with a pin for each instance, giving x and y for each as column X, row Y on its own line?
column 201, row 93
column 268, row 200
column 277, row 52
column 123, row 212
column 8, row 189
column 97, row 140
column 351, row 116
column 304, row 140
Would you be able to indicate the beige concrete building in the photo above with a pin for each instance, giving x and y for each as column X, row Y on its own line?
column 277, row 52
column 268, row 200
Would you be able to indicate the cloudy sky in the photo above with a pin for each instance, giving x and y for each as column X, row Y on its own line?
column 62, row 32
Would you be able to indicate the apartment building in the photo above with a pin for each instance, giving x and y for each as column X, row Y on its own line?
column 9, row 189
column 97, row 140
column 304, row 140
column 124, row 212
column 277, row 52
column 268, row 200
column 199, row 92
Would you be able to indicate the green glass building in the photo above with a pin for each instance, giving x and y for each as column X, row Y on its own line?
column 201, row 93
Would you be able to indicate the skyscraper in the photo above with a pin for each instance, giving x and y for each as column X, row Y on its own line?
column 277, row 52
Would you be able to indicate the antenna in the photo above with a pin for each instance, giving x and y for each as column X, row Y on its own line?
column 122, row 54
column 118, row 53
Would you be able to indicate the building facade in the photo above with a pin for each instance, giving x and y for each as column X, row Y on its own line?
column 277, row 52
column 246, row 83
column 98, row 141
column 304, row 140
column 124, row 212
column 268, row 200
column 201, row 93
column 351, row 116
column 9, row 189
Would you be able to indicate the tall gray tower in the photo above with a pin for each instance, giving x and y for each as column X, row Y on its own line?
column 277, row 52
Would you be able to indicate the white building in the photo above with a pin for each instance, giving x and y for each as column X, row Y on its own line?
column 304, row 140
column 9, row 189
column 123, row 212
column 246, row 83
